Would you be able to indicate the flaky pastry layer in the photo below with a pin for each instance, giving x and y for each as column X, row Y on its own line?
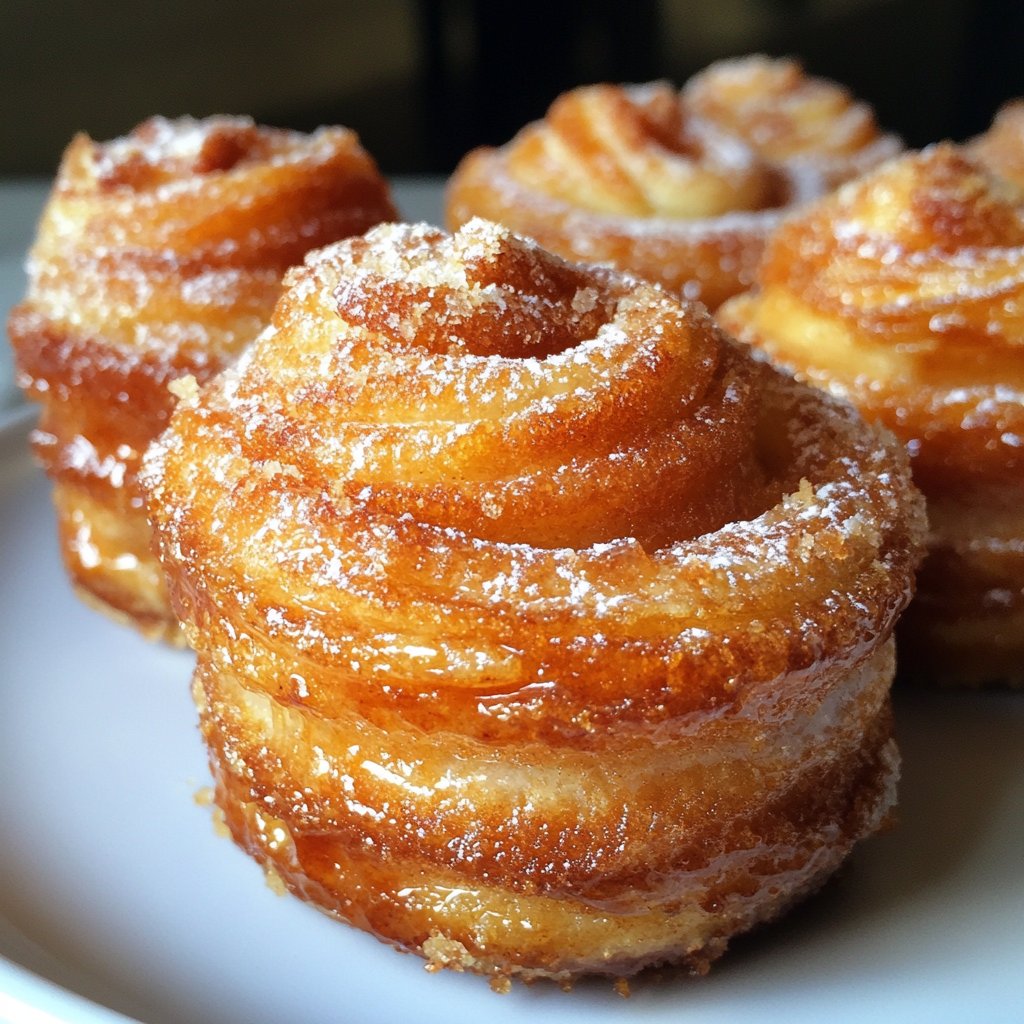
column 540, row 629
column 160, row 255
column 904, row 292
column 681, row 188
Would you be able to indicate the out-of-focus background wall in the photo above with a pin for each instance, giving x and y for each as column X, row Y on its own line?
column 422, row 81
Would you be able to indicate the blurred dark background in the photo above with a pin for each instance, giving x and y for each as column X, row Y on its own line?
column 422, row 82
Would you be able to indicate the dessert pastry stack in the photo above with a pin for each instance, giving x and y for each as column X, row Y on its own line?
column 540, row 629
column 160, row 255
column 682, row 188
column 904, row 293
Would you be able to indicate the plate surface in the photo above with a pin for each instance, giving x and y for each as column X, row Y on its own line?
column 115, row 887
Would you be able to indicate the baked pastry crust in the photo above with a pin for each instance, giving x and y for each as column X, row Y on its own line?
column 904, row 293
column 160, row 255
column 681, row 188
column 540, row 629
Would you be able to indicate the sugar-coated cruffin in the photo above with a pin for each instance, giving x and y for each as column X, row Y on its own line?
column 541, row 630
column 904, row 293
column 160, row 256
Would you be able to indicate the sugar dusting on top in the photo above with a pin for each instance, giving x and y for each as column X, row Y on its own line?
column 370, row 471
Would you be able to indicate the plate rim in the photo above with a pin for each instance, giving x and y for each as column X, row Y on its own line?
column 32, row 997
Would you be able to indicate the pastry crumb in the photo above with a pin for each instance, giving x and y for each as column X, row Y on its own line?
column 585, row 300
column 185, row 388
column 440, row 951
column 274, row 881
column 220, row 824
column 270, row 468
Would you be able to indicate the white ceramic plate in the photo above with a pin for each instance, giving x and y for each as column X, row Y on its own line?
column 117, row 897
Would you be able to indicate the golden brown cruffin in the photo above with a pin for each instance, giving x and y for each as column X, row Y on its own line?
column 541, row 630
column 681, row 188
column 160, row 255
column 904, row 292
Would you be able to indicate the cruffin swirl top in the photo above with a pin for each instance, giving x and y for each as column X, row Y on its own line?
column 458, row 474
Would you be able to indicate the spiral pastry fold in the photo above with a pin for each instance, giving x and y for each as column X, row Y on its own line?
column 681, row 188
column 540, row 629
column 160, row 255
column 790, row 118
column 904, row 292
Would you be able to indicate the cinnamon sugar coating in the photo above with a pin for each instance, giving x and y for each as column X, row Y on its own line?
column 541, row 631
column 681, row 188
column 904, row 292
column 160, row 255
